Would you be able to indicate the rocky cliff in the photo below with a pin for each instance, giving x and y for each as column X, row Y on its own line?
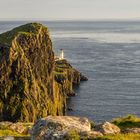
column 32, row 83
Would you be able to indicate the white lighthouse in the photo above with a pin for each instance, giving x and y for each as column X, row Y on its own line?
column 62, row 54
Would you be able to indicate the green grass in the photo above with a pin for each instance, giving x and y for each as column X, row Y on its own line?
column 5, row 130
column 119, row 137
column 72, row 135
column 61, row 70
column 27, row 29
column 10, row 133
column 130, row 121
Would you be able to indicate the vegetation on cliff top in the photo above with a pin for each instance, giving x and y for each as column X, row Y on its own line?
column 28, row 29
column 130, row 121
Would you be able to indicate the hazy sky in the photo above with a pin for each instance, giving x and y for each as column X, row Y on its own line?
column 69, row 9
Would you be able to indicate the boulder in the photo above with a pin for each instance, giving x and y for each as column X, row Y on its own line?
column 107, row 128
column 57, row 127
column 83, row 78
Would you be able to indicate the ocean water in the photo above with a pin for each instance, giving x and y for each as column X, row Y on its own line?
column 108, row 53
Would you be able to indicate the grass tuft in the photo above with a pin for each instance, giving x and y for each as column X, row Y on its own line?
column 129, row 121
column 118, row 137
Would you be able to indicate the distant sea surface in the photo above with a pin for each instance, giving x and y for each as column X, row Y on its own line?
column 108, row 53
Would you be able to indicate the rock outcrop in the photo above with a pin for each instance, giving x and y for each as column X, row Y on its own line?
column 57, row 127
column 32, row 84
column 107, row 128
column 66, row 76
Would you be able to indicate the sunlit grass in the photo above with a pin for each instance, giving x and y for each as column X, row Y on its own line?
column 119, row 137
column 130, row 121
column 10, row 133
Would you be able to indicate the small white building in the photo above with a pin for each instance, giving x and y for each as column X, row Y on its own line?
column 61, row 55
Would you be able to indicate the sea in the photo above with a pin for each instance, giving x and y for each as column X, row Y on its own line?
column 108, row 53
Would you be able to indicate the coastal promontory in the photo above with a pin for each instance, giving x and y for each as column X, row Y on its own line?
column 32, row 83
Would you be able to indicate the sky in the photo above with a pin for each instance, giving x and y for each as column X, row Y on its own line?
column 69, row 9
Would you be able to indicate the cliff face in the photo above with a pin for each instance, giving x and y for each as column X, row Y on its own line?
column 31, row 85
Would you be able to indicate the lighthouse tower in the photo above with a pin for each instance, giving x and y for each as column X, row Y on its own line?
column 62, row 54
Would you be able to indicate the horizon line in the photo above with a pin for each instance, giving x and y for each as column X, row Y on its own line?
column 69, row 19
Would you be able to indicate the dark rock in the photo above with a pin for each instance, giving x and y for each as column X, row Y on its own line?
column 69, row 109
column 72, row 94
column 83, row 78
